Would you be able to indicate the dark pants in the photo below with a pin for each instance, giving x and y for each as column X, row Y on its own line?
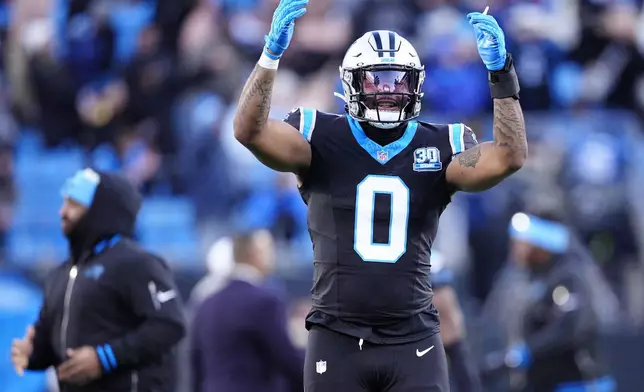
column 337, row 363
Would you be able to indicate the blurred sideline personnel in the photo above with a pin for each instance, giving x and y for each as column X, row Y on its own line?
column 219, row 265
column 462, row 371
column 376, row 181
column 240, row 339
column 561, row 324
column 111, row 315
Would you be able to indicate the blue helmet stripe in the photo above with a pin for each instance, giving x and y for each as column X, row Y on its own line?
column 379, row 48
column 392, row 44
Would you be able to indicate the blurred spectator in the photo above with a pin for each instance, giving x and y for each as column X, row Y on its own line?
column 594, row 175
column 311, row 50
column 206, row 168
column 456, row 82
column 170, row 16
column 8, row 192
column 370, row 15
column 540, row 33
column 245, row 26
column 609, row 63
column 240, row 340
column 568, row 304
column 209, row 60
column 219, row 265
column 57, row 118
column 153, row 80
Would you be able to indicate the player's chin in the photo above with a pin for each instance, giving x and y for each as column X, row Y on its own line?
column 67, row 227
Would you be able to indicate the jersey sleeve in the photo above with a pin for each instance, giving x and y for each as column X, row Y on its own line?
column 461, row 138
column 303, row 120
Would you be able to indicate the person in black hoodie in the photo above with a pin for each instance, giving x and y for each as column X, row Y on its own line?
column 568, row 302
column 111, row 315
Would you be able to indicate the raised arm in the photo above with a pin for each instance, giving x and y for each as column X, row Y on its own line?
column 275, row 143
column 486, row 164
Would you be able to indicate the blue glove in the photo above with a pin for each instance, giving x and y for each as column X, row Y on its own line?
column 489, row 40
column 282, row 26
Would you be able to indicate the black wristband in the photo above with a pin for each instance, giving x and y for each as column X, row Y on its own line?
column 505, row 82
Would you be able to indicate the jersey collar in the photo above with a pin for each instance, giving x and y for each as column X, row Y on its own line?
column 382, row 154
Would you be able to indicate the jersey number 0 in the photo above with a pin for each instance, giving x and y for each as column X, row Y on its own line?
column 363, row 232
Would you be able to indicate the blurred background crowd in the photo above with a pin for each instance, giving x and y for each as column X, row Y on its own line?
column 149, row 87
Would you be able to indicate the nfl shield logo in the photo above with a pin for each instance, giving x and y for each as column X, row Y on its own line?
column 382, row 156
column 320, row 367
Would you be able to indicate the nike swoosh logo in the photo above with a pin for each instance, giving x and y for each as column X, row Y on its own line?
column 165, row 296
column 421, row 353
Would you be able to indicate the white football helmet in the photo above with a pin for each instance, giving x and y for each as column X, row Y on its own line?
column 382, row 79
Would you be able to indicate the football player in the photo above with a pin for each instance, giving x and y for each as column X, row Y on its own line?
column 376, row 181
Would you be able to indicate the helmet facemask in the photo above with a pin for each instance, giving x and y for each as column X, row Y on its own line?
column 384, row 95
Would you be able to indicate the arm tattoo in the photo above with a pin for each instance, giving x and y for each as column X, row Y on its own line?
column 255, row 100
column 470, row 157
column 509, row 128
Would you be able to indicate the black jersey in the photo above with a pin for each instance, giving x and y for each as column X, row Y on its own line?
column 373, row 214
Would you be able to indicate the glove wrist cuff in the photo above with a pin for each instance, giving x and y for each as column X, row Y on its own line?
column 268, row 60
column 504, row 83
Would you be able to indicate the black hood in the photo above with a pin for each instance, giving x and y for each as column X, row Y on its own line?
column 113, row 211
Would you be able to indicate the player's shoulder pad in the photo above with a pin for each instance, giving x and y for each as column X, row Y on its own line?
column 460, row 136
column 304, row 120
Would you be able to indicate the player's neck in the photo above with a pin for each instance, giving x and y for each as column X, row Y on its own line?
column 383, row 136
